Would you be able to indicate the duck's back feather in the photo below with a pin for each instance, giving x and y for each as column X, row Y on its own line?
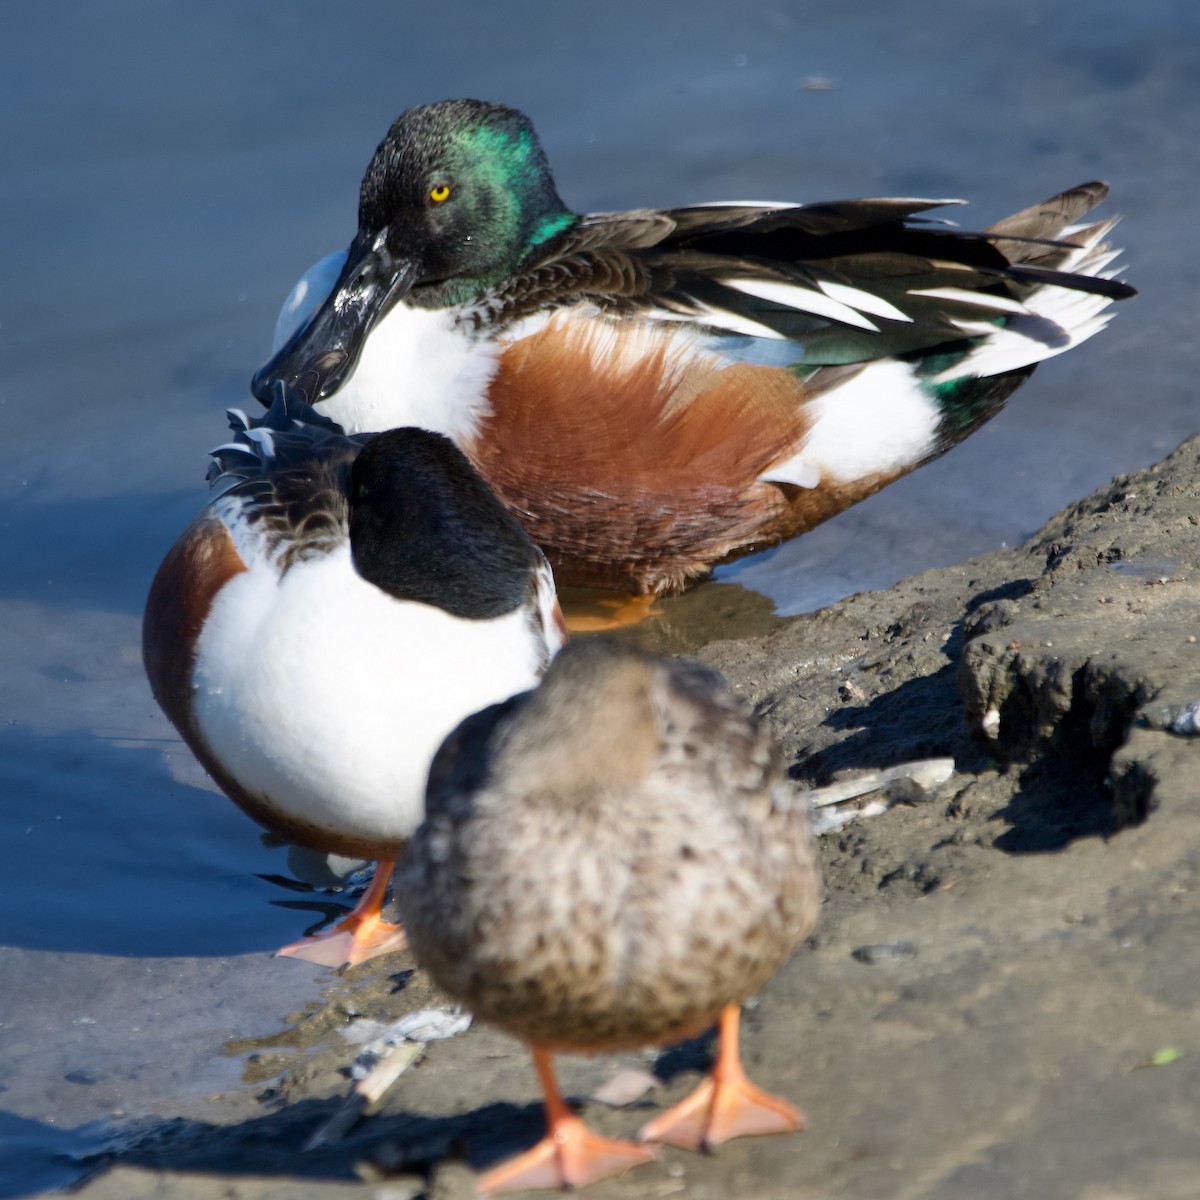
column 848, row 280
column 283, row 481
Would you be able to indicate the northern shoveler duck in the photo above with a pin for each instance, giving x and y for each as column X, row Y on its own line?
column 655, row 391
column 613, row 860
column 324, row 623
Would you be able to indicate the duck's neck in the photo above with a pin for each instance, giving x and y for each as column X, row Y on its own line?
column 418, row 368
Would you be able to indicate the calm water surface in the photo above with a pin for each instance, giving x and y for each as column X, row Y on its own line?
column 168, row 171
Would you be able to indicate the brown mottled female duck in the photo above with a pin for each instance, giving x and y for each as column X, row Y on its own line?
column 613, row 860
column 654, row 391
column 327, row 620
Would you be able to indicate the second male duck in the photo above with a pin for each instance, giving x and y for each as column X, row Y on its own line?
column 657, row 390
column 324, row 623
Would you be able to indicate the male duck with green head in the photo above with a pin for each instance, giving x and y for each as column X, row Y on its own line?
column 654, row 391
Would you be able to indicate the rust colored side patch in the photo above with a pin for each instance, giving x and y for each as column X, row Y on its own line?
column 195, row 569
column 575, row 403
column 632, row 465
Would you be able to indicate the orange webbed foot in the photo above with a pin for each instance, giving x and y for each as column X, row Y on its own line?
column 570, row 1156
column 726, row 1105
column 348, row 943
column 719, row 1110
column 588, row 611
column 361, row 935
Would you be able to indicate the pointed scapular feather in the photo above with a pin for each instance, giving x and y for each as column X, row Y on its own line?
column 802, row 298
column 862, row 300
column 964, row 296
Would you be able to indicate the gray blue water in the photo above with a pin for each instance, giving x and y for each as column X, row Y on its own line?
column 168, row 169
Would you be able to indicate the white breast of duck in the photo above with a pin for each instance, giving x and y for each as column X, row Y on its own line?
column 326, row 697
column 380, row 605
column 420, row 366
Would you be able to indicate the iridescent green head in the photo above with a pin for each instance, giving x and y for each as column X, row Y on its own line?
column 462, row 189
column 457, row 198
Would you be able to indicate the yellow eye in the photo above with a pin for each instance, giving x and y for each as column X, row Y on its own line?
column 440, row 193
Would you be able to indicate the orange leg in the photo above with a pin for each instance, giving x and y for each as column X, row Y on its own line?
column 726, row 1105
column 360, row 935
column 589, row 610
column 570, row 1155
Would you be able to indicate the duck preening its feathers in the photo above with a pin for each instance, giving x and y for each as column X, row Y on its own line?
column 654, row 391
column 328, row 618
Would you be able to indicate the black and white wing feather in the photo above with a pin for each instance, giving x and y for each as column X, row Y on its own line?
column 849, row 281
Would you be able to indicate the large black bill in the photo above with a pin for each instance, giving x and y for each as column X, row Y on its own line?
column 322, row 354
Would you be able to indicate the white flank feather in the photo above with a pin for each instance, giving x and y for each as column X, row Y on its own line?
column 780, row 204
column 967, row 296
column 720, row 318
column 879, row 422
column 714, row 318
column 797, row 471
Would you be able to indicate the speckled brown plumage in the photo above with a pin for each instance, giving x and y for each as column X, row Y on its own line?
column 611, row 859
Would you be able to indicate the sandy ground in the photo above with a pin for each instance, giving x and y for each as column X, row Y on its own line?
column 1037, row 917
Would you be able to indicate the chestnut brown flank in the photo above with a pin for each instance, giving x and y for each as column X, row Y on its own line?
column 195, row 569
column 640, row 471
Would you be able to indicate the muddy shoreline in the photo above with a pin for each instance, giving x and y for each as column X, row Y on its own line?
column 1039, row 915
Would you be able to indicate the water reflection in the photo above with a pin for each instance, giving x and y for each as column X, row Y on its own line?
column 114, row 856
